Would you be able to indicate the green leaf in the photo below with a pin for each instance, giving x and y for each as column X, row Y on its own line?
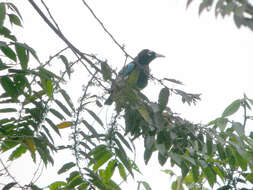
column 18, row 152
column 7, row 33
column 106, row 71
column 122, row 171
column 83, row 186
column 225, row 187
column 91, row 129
column 221, row 151
column 149, row 147
column 204, row 5
column 222, row 123
column 238, row 128
column 231, row 158
column 31, row 50
column 95, row 116
column 123, row 140
column 240, row 160
column 163, row 98
column 9, row 144
column 48, row 74
column 184, row 169
column 232, row 108
column 57, row 114
column 144, row 113
column 200, row 139
column 67, row 99
column 14, row 19
column 111, row 185
column 48, row 133
column 209, row 145
column 146, row 185
column 66, row 63
column 109, row 170
column 9, row 185
column 147, row 155
column 64, row 108
column 47, row 86
column 249, row 177
column 188, row 180
column 72, row 176
column 124, row 159
column 250, row 100
column 42, row 147
column 162, row 158
column 53, row 126
column 218, row 170
column 101, row 158
column 8, row 52
column 120, row 146
column 7, row 110
column 189, row 159
column 9, row 87
column 56, row 185
column 2, row 14
column 161, row 148
column 195, row 173
column 77, row 180
column 23, row 55
column 34, row 187
column 210, row 175
column 176, row 158
column 3, row 66
column 95, row 179
column 188, row 3
column 20, row 82
column 66, row 167
column 98, row 149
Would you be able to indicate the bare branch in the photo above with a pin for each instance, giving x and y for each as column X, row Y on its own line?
column 103, row 26
column 9, row 174
column 60, row 34
column 49, row 13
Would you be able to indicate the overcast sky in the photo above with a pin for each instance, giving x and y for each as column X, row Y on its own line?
column 209, row 55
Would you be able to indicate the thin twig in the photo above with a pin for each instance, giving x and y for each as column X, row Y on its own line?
column 55, row 55
column 75, row 136
column 49, row 13
column 104, row 28
column 35, row 173
column 60, row 34
column 74, row 49
column 9, row 174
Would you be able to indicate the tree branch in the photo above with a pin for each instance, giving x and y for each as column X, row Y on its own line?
column 60, row 34
column 102, row 25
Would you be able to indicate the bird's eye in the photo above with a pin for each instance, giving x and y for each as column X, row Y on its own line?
column 150, row 53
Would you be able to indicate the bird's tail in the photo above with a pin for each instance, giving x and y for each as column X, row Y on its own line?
column 109, row 100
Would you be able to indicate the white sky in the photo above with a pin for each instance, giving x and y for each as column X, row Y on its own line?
column 210, row 56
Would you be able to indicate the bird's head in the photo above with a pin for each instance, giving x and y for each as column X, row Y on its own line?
column 146, row 56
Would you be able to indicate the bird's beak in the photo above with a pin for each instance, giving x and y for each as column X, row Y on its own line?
column 159, row 55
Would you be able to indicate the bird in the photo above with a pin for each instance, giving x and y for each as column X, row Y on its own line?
column 138, row 69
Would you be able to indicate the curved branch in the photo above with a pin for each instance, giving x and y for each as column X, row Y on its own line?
column 102, row 25
column 60, row 34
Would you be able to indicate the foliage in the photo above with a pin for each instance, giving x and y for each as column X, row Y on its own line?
column 36, row 106
column 242, row 10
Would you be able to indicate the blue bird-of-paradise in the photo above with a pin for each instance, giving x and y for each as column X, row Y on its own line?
column 139, row 67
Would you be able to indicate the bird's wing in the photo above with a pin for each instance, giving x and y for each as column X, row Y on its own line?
column 127, row 69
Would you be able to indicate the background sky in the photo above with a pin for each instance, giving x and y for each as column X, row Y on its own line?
column 209, row 55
